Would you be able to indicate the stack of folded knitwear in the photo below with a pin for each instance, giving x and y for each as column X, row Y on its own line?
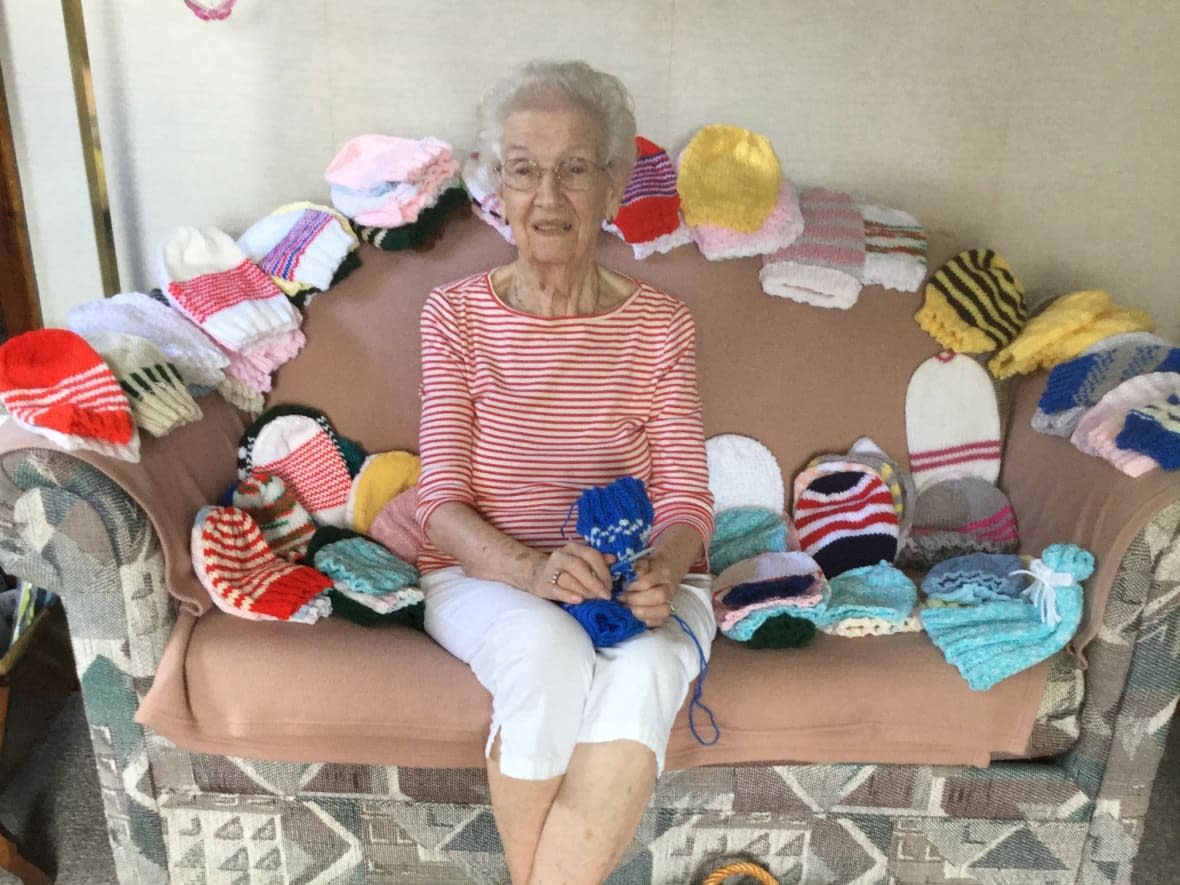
column 1120, row 401
column 396, row 191
column 295, row 538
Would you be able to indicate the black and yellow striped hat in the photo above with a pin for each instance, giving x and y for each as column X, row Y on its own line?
column 974, row 304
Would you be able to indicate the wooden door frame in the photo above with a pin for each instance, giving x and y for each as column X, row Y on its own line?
column 20, row 308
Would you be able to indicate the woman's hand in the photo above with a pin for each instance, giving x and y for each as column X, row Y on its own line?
column 572, row 574
column 649, row 596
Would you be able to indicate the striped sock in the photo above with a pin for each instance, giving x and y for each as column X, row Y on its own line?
column 286, row 526
column 241, row 572
column 845, row 519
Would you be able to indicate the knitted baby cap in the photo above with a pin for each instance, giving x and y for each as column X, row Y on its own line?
column 159, row 400
column 212, row 282
column 823, row 267
column 844, row 515
column 359, row 564
column 381, row 478
column 242, row 574
column 974, row 304
column 1100, row 427
column 959, row 516
column 898, row 480
column 743, row 473
column 728, row 176
column 1064, row 329
column 1153, row 430
column 895, row 249
column 386, row 180
column 397, row 528
column 195, row 356
column 763, row 586
column 974, row 578
column 1077, row 385
column 53, row 383
column 952, row 421
column 651, row 206
column 485, row 202
column 300, row 446
column 300, row 245
column 284, row 523
column 742, row 532
column 781, row 228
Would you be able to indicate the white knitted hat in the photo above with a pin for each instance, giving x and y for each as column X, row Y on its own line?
column 743, row 473
column 952, row 421
column 195, row 356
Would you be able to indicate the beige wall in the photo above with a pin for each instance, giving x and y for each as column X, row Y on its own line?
column 1043, row 128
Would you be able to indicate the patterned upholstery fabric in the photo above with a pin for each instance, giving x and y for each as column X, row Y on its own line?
column 179, row 817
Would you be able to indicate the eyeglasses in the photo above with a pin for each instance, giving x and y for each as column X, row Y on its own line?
column 572, row 174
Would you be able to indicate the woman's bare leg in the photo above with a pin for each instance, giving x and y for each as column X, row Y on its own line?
column 520, row 807
column 595, row 813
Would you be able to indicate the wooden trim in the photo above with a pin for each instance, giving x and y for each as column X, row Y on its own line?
column 20, row 309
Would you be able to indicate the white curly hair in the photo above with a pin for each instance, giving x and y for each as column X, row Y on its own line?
column 534, row 84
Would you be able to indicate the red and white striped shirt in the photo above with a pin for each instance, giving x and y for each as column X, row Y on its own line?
column 521, row 412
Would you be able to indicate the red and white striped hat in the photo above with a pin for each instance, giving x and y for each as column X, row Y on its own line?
column 55, row 384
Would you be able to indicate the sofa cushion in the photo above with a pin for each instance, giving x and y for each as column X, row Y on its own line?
column 273, row 691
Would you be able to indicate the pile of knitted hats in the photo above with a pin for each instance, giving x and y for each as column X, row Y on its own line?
column 1113, row 388
column 830, row 569
column 727, row 193
column 296, row 538
column 396, row 191
column 227, row 314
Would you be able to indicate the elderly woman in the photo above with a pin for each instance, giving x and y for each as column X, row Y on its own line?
column 539, row 379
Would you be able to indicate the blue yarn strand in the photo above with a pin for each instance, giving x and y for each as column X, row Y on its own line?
column 698, row 690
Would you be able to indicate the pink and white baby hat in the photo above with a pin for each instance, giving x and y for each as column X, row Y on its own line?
column 209, row 279
column 952, row 421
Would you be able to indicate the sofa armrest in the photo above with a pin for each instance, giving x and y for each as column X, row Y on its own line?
column 1061, row 494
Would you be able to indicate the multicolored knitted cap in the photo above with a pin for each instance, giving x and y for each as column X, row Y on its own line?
column 974, row 304
column 728, row 176
column 651, row 205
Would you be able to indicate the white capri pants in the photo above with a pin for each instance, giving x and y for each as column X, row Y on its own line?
column 551, row 689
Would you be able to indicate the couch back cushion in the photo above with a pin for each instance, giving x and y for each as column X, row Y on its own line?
column 800, row 379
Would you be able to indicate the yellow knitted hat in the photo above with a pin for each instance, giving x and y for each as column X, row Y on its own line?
column 974, row 304
column 1064, row 329
column 728, row 176
column 380, row 478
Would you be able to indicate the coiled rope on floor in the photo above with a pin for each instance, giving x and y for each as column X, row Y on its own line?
column 741, row 868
